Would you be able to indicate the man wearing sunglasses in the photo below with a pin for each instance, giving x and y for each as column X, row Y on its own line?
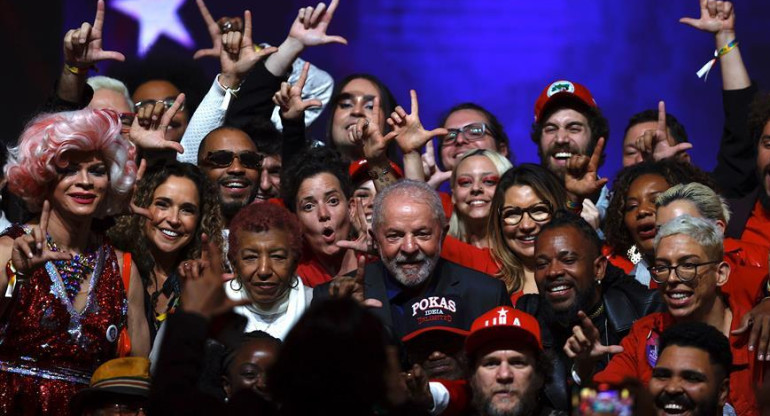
column 690, row 269
column 573, row 276
column 231, row 162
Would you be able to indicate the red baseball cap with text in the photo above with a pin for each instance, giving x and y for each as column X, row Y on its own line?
column 359, row 171
column 562, row 92
column 503, row 323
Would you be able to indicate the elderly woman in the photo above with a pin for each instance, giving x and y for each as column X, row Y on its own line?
column 183, row 206
column 265, row 248
column 525, row 199
column 68, row 290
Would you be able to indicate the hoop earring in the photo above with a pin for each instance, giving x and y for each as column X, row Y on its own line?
column 240, row 285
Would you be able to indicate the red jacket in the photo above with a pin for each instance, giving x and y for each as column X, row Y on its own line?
column 757, row 228
column 641, row 342
column 468, row 255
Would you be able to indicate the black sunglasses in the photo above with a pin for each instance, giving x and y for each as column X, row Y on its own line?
column 224, row 158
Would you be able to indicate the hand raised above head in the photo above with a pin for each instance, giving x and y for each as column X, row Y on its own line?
column 83, row 46
column 312, row 23
column 289, row 97
column 150, row 126
column 410, row 133
column 715, row 17
column 238, row 55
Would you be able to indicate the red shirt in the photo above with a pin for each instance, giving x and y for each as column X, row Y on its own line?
column 312, row 272
column 640, row 350
column 468, row 255
column 446, row 202
column 757, row 229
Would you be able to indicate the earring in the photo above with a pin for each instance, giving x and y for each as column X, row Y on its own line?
column 240, row 285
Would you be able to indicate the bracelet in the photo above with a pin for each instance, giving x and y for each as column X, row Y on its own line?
column 573, row 205
column 575, row 376
column 78, row 70
column 229, row 93
column 718, row 53
column 14, row 277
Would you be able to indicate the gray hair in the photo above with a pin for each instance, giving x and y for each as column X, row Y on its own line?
column 413, row 190
column 106, row 83
column 708, row 203
column 704, row 231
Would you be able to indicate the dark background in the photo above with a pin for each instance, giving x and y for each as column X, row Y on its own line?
column 498, row 53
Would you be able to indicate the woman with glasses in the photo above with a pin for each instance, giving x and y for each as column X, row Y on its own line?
column 69, row 292
column 630, row 225
column 473, row 182
column 183, row 207
column 524, row 201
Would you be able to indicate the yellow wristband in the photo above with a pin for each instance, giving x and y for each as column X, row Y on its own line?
column 78, row 70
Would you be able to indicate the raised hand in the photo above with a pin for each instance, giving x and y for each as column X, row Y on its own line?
column 410, row 134
column 151, row 125
column 367, row 134
column 289, row 97
column 418, row 387
column 83, row 46
column 585, row 347
column 238, row 55
column 215, row 29
column 364, row 243
column 715, row 17
column 202, row 289
column 311, row 24
column 30, row 251
column 353, row 287
column 659, row 144
column 434, row 176
column 582, row 178
column 758, row 320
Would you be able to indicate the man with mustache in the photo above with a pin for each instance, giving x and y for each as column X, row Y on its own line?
column 692, row 373
column 575, row 282
column 408, row 226
column 229, row 158
column 689, row 269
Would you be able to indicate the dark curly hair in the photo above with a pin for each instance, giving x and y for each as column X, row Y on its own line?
column 498, row 131
column 309, row 163
column 672, row 171
column 262, row 217
column 759, row 115
column 704, row 337
column 598, row 124
column 128, row 232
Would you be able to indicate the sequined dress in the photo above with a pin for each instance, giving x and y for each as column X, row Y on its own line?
column 48, row 350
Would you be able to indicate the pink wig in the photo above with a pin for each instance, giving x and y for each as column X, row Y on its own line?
column 42, row 147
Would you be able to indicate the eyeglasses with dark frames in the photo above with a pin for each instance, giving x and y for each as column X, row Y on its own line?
column 471, row 132
column 539, row 212
column 685, row 272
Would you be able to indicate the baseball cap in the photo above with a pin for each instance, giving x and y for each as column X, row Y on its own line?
column 129, row 376
column 359, row 171
column 434, row 313
column 562, row 91
column 500, row 324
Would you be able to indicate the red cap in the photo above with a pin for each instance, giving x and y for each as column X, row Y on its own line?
column 434, row 313
column 359, row 171
column 561, row 91
column 503, row 323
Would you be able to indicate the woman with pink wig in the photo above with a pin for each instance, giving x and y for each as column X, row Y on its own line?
column 69, row 294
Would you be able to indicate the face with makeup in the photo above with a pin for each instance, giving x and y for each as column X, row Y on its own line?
column 356, row 101
column 476, row 179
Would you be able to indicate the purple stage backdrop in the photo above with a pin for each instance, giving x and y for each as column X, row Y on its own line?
column 498, row 53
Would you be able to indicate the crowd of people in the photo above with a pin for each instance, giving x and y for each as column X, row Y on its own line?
column 171, row 259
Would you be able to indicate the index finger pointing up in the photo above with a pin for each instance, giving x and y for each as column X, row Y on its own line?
column 415, row 103
column 247, row 26
column 99, row 19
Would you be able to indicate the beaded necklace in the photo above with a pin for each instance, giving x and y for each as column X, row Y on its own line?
column 74, row 271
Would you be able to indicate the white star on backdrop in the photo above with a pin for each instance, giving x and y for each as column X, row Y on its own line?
column 155, row 18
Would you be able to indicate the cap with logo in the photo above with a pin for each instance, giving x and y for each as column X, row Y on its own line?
column 503, row 323
column 562, row 92
column 433, row 313
column 359, row 171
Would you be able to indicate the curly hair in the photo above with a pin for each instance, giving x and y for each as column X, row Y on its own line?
column 309, row 163
column 759, row 115
column 128, row 232
column 260, row 217
column 548, row 187
column 42, row 149
column 672, row 171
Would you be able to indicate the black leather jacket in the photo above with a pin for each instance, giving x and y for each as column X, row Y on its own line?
column 625, row 300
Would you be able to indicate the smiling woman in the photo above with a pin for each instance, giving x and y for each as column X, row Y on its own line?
column 183, row 206
column 69, row 296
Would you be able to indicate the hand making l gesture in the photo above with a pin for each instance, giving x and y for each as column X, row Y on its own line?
column 289, row 97
column 238, row 55
column 30, row 251
column 83, row 46
column 151, row 125
column 582, row 177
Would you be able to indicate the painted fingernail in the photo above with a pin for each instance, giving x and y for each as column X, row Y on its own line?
column 29, row 255
column 761, row 357
column 751, row 348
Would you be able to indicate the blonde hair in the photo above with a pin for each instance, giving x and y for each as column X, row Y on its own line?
column 457, row 227
column 706, row 201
